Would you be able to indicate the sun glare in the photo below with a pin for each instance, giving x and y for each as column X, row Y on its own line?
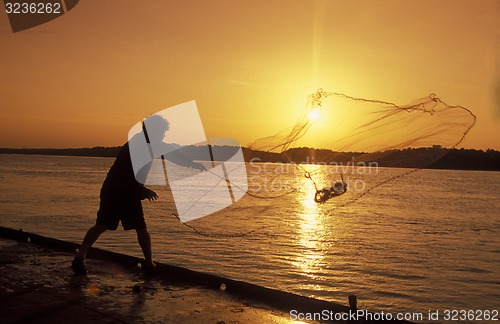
column 314, row 115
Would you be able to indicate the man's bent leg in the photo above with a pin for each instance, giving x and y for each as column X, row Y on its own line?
column 144, row 240
column 92, row 235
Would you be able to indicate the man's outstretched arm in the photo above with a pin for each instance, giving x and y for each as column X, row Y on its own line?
column 176, row 156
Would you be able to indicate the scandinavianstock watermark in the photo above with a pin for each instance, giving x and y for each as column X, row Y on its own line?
column 208, row 175
column 266, row 176
column 354, row 315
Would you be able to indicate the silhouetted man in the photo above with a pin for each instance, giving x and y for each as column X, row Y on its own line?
column 121, row 196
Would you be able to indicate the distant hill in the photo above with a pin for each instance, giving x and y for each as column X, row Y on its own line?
column 434, row 157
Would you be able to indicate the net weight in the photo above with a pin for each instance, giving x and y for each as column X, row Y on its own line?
column 33, row 8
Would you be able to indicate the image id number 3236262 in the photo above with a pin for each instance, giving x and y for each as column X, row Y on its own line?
column 34, row 7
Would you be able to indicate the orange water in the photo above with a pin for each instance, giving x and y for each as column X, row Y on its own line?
column 427, row 241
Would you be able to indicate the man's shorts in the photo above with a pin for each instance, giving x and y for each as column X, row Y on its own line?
column 116, row 206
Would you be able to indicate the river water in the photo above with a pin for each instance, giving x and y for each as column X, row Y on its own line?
column 427, row 241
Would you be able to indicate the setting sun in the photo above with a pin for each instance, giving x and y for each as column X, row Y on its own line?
column 314, row 115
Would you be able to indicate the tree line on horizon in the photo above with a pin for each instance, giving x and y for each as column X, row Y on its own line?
column 435, row 157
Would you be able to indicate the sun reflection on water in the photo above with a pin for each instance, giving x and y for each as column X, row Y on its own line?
column 312, row 233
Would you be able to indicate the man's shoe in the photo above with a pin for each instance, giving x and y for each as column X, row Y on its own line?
column 78, row 267
column 149, row 268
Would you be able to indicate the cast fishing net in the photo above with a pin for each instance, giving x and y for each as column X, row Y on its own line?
column 346, row 145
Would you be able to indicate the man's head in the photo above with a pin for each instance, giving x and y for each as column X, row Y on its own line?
column 156, row 126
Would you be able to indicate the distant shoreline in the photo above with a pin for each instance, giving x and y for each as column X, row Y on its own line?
column 97, row 151
column 452, row 159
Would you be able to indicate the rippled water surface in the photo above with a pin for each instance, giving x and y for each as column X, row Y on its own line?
column 426, row 241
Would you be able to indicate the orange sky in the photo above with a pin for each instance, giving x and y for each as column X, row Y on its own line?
column 85, row 78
